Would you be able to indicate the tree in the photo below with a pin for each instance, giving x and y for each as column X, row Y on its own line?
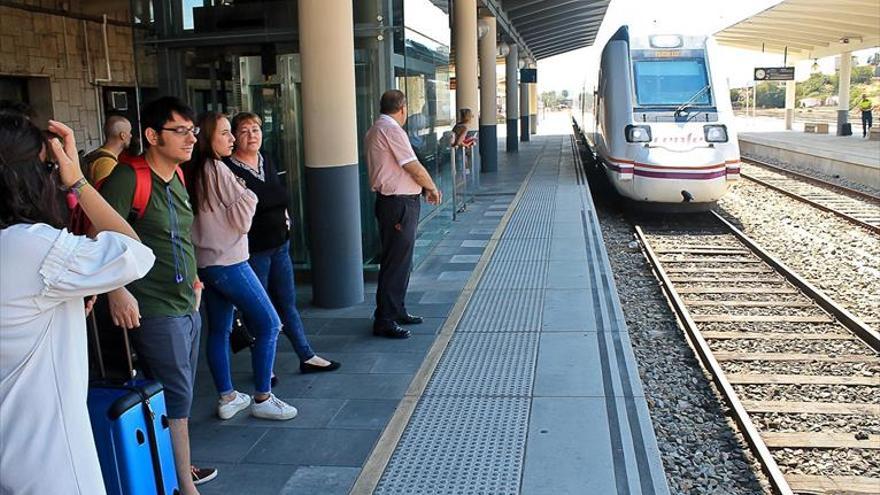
column 770, row 95
column 874, row 59
column 564, row 94
column 550, row 99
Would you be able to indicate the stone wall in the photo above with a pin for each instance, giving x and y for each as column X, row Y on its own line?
column 38, row 45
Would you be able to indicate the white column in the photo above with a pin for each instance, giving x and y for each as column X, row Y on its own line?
column 326, row 43
column 524, row 133
column 488, row 92
column 465, row 32
column 533, row 108
column 789, row 104
column 843, row 97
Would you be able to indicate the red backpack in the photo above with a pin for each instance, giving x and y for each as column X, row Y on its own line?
column 143, row 187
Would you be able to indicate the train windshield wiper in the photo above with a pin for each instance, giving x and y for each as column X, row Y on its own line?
column 687, row 104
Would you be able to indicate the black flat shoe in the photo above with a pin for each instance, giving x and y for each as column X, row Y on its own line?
column 392, row 331
column 409, row 319
column 314, row 368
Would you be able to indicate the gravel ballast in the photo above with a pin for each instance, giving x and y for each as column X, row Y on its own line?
column 702, row 452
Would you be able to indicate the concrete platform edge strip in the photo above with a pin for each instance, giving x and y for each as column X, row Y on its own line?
column 376, row 463
column 629, row 412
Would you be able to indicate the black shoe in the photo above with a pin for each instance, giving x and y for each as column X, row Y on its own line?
column 203, row 475
column 409, row 319
column 392, row 331
column 314, row 368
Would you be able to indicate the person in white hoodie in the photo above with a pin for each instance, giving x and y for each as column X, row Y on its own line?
column 224, row 209
column 45, row 274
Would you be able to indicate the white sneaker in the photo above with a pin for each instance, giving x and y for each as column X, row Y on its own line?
column 226, row 410
column 273, row 408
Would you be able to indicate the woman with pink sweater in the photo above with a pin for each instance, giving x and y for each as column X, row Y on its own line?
column 223, row 209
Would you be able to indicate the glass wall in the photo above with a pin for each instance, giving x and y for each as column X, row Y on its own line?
column 243, row 55
column 424, row 77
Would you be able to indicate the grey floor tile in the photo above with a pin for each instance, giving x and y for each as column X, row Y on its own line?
column 567, row 275
column 568, row 250
column 250, row 479
column 213, row 442
column 323, row 480
column 397, row 363
column 440, row 297
column 474, row 244
column 568, row 366
column 417, row 344
column 364, row 414
column 568, row 451
column 328, row 447
column 465, row 258
column 568, row 230
column 566, row 309
column 455, row 275
column 365, row 386
column 347, row 326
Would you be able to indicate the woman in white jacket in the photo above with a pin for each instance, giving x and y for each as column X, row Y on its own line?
column 45, row 272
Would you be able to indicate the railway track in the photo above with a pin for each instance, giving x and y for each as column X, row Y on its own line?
column 855, row 206
column 800, row 373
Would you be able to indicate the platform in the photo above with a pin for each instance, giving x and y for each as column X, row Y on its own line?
column 521, row 380
column 851, row 157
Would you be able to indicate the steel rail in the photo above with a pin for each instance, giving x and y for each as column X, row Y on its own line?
column 707, row 358
column 845, row 216
column 809, row 178
column 850, row 321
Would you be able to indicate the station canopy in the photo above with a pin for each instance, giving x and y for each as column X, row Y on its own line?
column 550, row 27
column 808, row 28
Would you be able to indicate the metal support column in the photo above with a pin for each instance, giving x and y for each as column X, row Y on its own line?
column 331, row 151
column 524, row 129
column 488, row 82
column 512, row 90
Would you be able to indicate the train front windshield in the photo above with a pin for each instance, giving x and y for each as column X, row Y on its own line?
column 669, row 82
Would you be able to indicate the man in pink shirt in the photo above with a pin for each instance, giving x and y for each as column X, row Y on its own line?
column 399, row 180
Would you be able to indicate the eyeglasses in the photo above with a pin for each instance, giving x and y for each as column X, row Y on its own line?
column 182, row 131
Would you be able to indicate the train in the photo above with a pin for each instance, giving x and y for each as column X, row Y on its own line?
column 659, row 121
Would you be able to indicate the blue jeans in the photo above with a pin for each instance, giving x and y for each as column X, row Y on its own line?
column 237, row 286
column 275, row 271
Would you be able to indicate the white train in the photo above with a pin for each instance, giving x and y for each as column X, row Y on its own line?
column 659, row 120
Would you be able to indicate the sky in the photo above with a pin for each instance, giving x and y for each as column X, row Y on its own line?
column 684, row 16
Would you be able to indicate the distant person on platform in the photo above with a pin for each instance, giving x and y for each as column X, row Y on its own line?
column 98, row 164
column 399, row 180
column 864, row 104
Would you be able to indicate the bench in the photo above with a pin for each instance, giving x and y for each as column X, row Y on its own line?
column 816, row 128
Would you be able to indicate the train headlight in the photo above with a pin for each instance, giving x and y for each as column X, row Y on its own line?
column 715, row 133
column 638, row 133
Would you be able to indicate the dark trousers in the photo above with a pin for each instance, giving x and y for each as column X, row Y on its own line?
column 398, row 218
column 867, row 121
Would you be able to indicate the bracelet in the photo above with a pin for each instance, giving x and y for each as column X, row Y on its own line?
column 78, row 186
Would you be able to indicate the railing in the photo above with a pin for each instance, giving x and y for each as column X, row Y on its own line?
column 465, row 176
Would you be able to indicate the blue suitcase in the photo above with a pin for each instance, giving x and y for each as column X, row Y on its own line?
column 132, row 436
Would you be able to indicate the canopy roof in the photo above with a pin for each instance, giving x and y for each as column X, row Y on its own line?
column 808, row 28
column 550, row 27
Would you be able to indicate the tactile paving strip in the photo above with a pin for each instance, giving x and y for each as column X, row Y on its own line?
column 460, row 446
column 510, row 310
column 486, row 364
column 515, row 275
column 522, row 250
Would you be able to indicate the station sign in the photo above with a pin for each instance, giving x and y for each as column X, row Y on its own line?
column 528, row 76
column 774, row 73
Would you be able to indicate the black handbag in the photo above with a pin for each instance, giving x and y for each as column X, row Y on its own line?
column 240, row 338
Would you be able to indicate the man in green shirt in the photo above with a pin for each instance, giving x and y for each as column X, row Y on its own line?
column 865, row 105
column 163, row 305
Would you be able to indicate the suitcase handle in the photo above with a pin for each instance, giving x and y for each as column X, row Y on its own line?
column 101, row 368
